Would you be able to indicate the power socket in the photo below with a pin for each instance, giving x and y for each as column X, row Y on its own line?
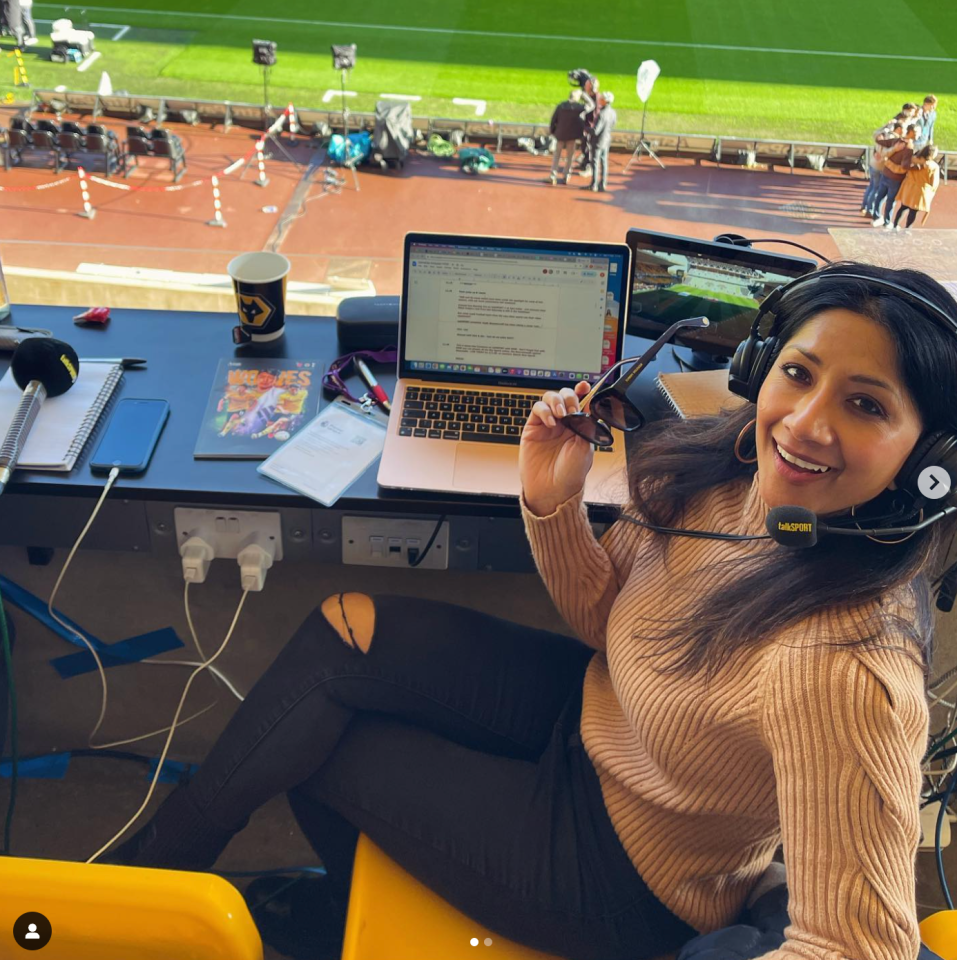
column 389, row 542
column 228, row 531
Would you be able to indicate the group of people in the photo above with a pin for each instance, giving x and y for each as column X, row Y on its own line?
column 904, row 168
column 16, row 20
column 587, row 115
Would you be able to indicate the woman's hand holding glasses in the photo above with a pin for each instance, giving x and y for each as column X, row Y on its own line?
column 552, row 461
column 559, row 438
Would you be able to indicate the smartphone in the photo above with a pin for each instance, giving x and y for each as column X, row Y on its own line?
column 131, row 436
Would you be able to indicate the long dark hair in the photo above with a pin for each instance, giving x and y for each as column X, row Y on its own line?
column 674, row 460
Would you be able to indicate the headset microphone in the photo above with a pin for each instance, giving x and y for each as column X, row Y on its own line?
column 792, row 526
column 799, row 527
column 42, row 368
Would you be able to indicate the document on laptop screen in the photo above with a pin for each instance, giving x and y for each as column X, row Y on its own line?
column 514, row 309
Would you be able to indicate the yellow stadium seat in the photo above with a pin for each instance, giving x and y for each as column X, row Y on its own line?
column 392, row 915
column 939, row 932
column 105, row 912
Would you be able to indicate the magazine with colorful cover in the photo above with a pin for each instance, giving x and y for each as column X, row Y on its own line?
column 255, row 405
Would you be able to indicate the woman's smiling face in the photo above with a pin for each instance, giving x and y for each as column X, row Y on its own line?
column 834, row 397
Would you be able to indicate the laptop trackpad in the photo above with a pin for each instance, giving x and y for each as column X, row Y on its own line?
column 486, row 468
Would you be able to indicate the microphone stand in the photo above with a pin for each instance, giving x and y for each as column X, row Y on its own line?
column 26, row 412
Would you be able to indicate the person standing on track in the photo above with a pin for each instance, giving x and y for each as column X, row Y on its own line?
column 13, row 17
column 919, row 187
column 566, row 127
column 897, row 159
column 29, row 27
column 601, row 142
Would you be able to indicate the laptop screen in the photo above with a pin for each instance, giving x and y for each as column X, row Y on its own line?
column 678, row 277
column 491, row 309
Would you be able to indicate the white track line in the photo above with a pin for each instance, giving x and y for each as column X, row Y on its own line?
column 95, row 55
column 121, row 33
column 399, row 96
column 516, row 36
column 465, row 102
column 332, row 94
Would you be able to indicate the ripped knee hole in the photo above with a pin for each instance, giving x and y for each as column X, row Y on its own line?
column 352, row 615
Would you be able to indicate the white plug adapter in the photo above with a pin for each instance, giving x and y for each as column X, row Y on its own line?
column 196, row 555
column 254, row 560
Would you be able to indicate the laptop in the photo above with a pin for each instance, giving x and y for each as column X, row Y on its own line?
column 487, row 325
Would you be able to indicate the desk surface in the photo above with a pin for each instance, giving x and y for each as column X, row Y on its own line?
column 183, row 350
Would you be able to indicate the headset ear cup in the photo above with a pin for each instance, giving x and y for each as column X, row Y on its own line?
column 936, row 449
column 740, row 372
column 763, row 361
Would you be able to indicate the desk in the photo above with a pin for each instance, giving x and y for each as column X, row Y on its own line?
column 49, row 509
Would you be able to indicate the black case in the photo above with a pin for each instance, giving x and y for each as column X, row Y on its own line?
column 367, row 323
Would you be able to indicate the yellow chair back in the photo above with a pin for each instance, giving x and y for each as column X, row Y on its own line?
column 392, row 915
column 105, row 912
column 939, row 932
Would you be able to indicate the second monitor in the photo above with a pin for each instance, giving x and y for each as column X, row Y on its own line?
column 674, row 277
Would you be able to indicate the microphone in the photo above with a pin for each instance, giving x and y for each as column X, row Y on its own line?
column 799, row 527
column 42, row 367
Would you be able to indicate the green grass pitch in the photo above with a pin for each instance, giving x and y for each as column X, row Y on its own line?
column 811, row 69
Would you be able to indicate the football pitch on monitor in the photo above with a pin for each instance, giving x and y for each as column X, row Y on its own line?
column 791, row 69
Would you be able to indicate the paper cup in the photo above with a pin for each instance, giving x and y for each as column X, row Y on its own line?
column 259, row 280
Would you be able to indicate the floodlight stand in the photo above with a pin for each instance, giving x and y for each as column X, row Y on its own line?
column 349, row 162
column 643, row 144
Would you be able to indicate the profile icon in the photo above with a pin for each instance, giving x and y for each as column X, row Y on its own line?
column 32, row 931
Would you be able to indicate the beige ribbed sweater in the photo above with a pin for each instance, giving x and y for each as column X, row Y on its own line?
column 815, row 746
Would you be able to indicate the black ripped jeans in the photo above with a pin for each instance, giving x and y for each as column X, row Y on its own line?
column 454, row 745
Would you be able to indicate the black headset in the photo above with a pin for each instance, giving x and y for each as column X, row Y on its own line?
column 754, row 358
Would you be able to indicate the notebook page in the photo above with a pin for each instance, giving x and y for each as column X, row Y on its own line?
column 60, row 418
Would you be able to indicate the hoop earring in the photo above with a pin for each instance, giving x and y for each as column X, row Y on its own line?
column 890, row 543
column 737, row 443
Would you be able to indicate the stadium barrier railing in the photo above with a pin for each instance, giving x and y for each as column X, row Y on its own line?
column 500, row 135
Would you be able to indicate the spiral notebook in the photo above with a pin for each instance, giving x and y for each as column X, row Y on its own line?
column 698, row 393
column 64, row 423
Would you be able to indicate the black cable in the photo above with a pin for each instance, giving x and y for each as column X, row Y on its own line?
column 683, row 365
column 734, row 241
column 435, row 533
column 700, row 534
column 937, row 847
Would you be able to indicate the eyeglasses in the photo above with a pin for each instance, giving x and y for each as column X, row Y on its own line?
column 607, row 405
column 332, row 379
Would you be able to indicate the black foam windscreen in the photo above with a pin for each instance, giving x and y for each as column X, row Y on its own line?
column 52, row 362
column 792, row 526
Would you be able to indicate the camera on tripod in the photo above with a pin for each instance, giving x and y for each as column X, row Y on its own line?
column 579, row 77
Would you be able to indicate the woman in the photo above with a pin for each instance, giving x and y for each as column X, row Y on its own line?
column 919, row 186
column 611, row 798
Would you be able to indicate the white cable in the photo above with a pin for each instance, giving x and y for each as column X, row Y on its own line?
column 192, row 663
column 114, row 473
column 172, row 729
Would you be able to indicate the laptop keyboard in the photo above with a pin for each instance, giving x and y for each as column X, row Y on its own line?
column 450, row 413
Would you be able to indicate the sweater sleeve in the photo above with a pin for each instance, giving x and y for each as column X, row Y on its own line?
column 847, row 728
column 583, row 575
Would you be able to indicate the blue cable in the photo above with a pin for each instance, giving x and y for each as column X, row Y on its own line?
column 937, row 847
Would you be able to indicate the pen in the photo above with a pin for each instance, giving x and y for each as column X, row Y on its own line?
column 124, row 362
column 380, row 395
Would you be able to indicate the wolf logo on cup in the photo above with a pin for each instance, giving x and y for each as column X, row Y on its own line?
column 254, row 311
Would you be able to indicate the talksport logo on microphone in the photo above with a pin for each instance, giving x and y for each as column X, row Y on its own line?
column 791, row 527
column 71, row 370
